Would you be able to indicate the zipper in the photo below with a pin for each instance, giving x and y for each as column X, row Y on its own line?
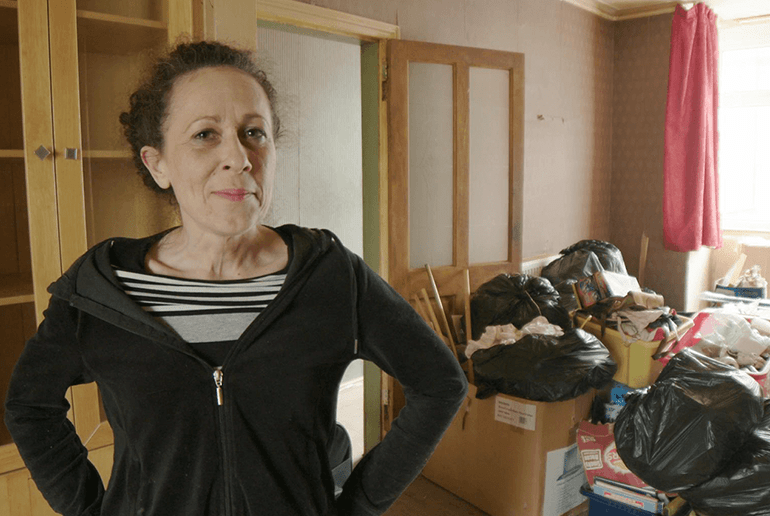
column 219, row 377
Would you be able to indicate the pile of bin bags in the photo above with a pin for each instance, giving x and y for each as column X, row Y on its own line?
column 548, row 359
column 578, row 261
column 702, row 430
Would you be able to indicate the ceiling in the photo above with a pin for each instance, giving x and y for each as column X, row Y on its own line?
column 627, row 9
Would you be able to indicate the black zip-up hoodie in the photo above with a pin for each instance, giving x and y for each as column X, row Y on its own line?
column 263, row 450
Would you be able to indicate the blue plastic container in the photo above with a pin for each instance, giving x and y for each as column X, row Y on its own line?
column 601, row 506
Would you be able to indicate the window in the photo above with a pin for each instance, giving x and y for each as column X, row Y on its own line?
column 744, row 126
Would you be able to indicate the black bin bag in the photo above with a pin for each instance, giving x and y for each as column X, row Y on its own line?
column 544, row 367
column 515, row 299
column 684, row 429
column 743, row 487
column 578, row 261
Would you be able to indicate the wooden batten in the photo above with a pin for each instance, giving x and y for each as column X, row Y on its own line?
column 312, row 17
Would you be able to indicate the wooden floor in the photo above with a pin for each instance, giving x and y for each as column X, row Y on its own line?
column 424, row 498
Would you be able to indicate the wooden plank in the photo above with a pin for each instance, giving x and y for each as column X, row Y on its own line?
column 38, row 130
column 38, row 505
column 398, row 167
column 461, row 180
column 11, row 153
column 10, row 460
column 516, row 149
column 327, row 20
column 107, row 154
column 180, row 19
column 383, row 161
column 14, row 494
column 66, row 116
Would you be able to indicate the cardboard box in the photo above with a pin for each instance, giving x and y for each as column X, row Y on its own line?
column 496, row 455
column 636, row 367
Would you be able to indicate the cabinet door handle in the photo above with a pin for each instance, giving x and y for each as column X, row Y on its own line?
column 42, row 153
column 70, row 153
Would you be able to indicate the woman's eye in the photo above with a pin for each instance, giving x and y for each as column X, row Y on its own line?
column 204, row 135
column 255, row 132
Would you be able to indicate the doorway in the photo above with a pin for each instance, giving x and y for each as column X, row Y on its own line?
column 319, row 181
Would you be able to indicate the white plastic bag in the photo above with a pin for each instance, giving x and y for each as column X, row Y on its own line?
column 731, row 332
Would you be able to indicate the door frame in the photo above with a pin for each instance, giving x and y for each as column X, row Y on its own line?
column 374, row 35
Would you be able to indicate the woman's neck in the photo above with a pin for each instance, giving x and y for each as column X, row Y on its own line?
column 202, row 255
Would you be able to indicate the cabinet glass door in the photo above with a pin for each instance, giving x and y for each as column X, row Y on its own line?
column 102, row 49
column 116, row 40
column 17, row 310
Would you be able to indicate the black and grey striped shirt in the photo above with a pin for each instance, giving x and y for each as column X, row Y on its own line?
column 210, row 315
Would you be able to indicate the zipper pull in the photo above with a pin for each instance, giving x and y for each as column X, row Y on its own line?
column 218, row 377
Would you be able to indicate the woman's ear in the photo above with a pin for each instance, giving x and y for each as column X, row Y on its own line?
column 152, row 159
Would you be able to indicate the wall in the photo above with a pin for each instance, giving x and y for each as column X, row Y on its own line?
column 568, row 100
column 318, row 176
column 642, row 49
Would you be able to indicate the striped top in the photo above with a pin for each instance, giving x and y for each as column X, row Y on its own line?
column 202, row 311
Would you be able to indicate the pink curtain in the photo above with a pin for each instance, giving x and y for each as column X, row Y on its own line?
column 690, row 182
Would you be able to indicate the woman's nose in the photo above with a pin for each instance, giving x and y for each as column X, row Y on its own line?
column 235, row 155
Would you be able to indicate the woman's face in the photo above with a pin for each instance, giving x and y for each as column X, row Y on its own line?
column 218, row 153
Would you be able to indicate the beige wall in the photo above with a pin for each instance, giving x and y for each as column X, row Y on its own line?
column 642, row 49
column 568, row 100
column 595, row 97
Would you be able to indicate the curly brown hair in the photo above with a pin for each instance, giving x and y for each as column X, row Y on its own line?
column 143, row 122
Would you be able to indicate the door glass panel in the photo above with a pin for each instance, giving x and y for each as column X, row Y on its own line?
column 117, row 202
column 17, row 312
column 431, row 164
column 489, row 196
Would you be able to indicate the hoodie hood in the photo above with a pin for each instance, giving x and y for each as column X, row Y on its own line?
column 90, row 283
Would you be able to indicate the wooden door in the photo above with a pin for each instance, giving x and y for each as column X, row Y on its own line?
column 455, row 170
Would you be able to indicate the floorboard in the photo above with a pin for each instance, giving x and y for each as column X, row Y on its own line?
column 424, row 498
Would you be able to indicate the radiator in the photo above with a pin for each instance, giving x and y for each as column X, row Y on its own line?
column 534, row 266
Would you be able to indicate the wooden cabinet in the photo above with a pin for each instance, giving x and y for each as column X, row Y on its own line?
column 66, row 176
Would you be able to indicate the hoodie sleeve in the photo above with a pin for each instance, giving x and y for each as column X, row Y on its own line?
column 36, row 415
column 394, row 336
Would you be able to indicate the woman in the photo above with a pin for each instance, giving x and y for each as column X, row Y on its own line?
column 218, row 346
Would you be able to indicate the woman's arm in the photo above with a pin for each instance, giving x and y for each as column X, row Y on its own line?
column 36, row 415
column 395, row 338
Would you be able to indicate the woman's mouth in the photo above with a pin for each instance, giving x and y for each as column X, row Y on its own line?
column 233, row 194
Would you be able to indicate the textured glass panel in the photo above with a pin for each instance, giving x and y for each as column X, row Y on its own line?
column 430, row 164
column 489, row 165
